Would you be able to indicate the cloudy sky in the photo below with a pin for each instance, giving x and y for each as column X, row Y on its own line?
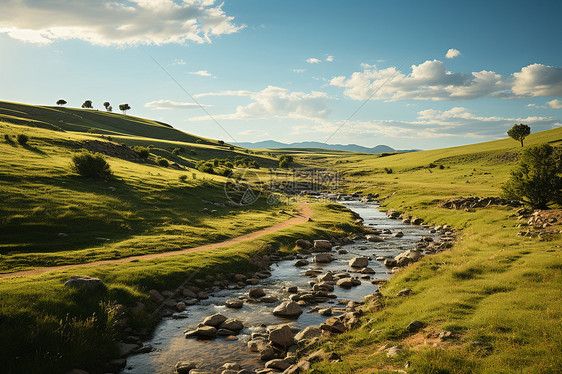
column 409, row 74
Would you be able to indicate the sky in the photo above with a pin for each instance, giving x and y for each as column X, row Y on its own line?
column 408, row 74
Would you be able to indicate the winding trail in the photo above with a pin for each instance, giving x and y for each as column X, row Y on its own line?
column 302, row 216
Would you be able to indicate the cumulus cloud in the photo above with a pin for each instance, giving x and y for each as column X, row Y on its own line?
column 169, row 104
column 115, row 22
column 556, row 104
column 431, row 80
column 538, row 80
column 277, row 102
column 225, row 93
column 456, row 122
column 330, row 58
column 298, row 71
column 203, row 73
column 452, row 53
column 312, row 60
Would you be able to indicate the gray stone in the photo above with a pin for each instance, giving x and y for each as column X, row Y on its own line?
column 359, row 262
column 288, row 309
column 282, row 336
column 214, row 320
column 256, row 292
column 277, row 364
column 308, row 332
column 322, row 245
column 234, row 304
column 85, row 282
column 184, row 367
column 415, row 326
column 232, row 324
column 323, row 258
column 206, row 331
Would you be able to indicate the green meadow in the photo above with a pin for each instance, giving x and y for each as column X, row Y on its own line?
column 498, row 293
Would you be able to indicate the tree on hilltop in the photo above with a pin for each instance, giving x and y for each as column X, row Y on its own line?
column 107, row 105
column 61, row 102
column 124, row 108
column 87, row 104
column 519, row 132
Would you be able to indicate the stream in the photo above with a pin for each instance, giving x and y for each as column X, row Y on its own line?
column 170, row 345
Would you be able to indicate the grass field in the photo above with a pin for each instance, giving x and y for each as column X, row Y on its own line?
column 497, row 292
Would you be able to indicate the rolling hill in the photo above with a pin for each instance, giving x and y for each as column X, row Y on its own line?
column 272, row 144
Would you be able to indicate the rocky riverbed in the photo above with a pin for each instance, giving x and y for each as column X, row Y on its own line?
column 256, row 323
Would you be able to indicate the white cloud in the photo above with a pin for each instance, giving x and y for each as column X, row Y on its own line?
column 203, row 73
column 115, row 22
column 452, row 53
column 556, row 104
column 277, row 102
column 456, row 122
column 178, row 61
column 298, row 71
column 431, row 80
column 169, row 104
column 225, row 93
column 312, row 60
column 538, row 80
column 330, row 58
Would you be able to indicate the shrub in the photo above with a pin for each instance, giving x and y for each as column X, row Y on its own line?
column 194, row 175
column 91, row 130
column 91, row 165
column 388, row 170
column 143, row 152
column 182, row 178
column 225, row 172
column 22, row 139
column 205, row 167
column 441, row 167
column 199, row 141
column 221, row 142
column 285, row 161
column 8, row 138
column 162, row 162
column 176, row 151
column 432, row 165
column 231, row 148
column 536, row 180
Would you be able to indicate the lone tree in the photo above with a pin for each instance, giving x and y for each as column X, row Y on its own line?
column 536, row 181
column 124, row 108
column 107, row 105
column 519, row 132
column 87, row 104
column 285, row 161
column 61, row 102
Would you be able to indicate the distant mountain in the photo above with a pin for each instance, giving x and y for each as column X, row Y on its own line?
column 338, row 147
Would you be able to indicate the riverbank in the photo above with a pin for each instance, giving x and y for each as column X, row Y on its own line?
column 45, row 322
column 489, row 304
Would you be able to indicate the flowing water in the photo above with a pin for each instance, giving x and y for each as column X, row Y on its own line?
column 170, row 345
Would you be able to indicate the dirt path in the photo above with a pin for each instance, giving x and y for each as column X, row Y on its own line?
column 302, row 216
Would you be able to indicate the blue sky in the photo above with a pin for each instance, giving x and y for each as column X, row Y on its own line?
column 429, row 73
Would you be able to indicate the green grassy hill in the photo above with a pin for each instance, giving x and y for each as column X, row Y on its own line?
column 497, row 292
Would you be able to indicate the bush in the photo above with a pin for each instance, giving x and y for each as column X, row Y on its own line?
column 388, row 170
column 285, row 161
column 441, row 167
column 162, row 162
column 91, row 165
column 91, row 130
column 143, row 152
column 176, row 151
column 22, row 139
column 432, row 165
column 225, row 172
column 205, row 167
column 221, row 142
column 199, row 141
column 231, row 148
column 8, row 138
column 182, row 178
column 536, row 180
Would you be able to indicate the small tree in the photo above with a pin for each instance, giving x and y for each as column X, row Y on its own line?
column 536, row 180
column 107, row 105
column 61, row 102
column 519, row 132
column 285, row 161
column 87, row 104
column 109, row 108
column 221, row 142
column 124, row 108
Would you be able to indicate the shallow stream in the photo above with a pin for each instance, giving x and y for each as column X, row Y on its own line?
column 170, row 345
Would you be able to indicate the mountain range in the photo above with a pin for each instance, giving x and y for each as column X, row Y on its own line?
column 339, row 147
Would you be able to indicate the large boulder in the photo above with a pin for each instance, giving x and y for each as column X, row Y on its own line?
column 85, row 282
column 232, row 324
column 277, row 364
column 206, row 331
column 281, row 336
column 288, row 309
column 328, row 277
column 345, row 283
column 308, row 332
column 214, row 320
column 256, row 292
column 323, row 258
column 323, row 245
column 156, row 296
column 234, row 304
column 411, row 255
column 359, row 262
